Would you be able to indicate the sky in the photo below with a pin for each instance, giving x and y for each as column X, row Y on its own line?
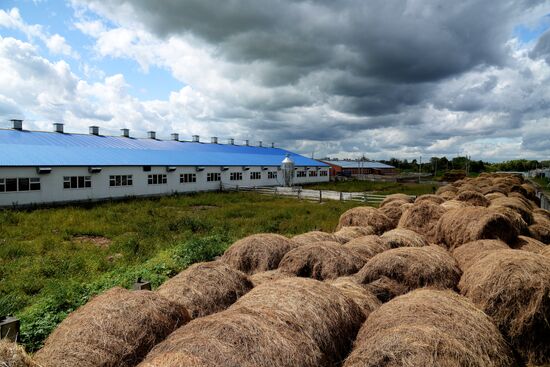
column 338, row 78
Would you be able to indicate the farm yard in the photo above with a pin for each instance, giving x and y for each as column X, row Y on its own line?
column 459, row 277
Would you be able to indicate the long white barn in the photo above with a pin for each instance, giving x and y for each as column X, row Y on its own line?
column 58, row 167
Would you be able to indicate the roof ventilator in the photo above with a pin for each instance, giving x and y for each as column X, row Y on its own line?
column 196, row 139
column 175, row 136
column 199, row 168
column 125, row 133
column 58, row 127
column 170, row 169
column 94, row 130
column 151, row 134
column 17, row 124
column 43, row 170
column 94, row 169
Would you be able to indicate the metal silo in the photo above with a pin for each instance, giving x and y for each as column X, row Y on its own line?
column 287, row 167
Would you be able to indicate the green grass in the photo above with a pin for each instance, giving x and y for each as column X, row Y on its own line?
column 45, row 272
column 383, row 188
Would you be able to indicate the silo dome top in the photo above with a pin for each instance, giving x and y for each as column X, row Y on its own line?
column 287, row 160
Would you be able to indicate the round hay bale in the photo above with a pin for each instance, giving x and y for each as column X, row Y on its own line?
column 422, row 218
column 494, row 195
column 528, row 244
column 513, row 287
column 540, row 232
column 365, row 216
column 531, row 192
column 468, row 187
column 540, row 213
column 473, row 198
column 447, row 195
column 545, row 251
column 206, row 288
column 313, row 236
column 346, row 234
column 429, row 328
column 365, row 299
column 517, row 205
column 256, row 253
column 394, row 211
column 446, row 188
column 319, row 311
column 514, row 217
column 459, row 226
column 396, row 197
column 436, row 199
column 385, row 288
column 471, row 252
column 414, row 267
column 115, row 328
column 401, row 237
column 527, row 202
column 367, row 246
column 453, row 204
column 322, row 260
column 268, row 276
column 13, row 355
column 540, row 218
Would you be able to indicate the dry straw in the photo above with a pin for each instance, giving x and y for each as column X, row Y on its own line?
column 364, row 216
column 259, row 252
column 395, row 210
column 494, row 195
column 470, row 252
column 516, row 219
column 396, row 197
column 528, row 244
column 401, row 237
column 540, row 232
column 358, row 293
column 413, row 267
column 436, row 199
column 346, row 234
column 206, row 288
column 513, row 287
column 313, row 236
column 517, row 205
column 268, row 276
column 322, row 260
column 545, row 251
column 453, row 204
column 367, row 246
column 13, row 355
column 446, row 188
column 473, row 198
column 385, row 288
column 429, row 328
column 459, row 226
column 447, row 195
column 116, row 328
column 422, row 218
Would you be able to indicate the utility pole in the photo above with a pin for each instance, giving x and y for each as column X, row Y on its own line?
column 419, row 169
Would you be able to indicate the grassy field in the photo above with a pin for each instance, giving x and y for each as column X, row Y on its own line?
column 53, row 260
column 384, row 188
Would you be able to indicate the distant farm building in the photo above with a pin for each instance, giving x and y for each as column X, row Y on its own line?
column 52, row 167
column 359, row 168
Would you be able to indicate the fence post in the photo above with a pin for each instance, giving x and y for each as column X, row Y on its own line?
column 341, row 196
column 320, row 196
column 365, row 198
column 237, row 188
column 299, row 196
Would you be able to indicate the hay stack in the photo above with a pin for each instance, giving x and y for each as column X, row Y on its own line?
column 494, row 195
column 540, row 232
column 429, row 328
column 447, row 195
column 256, row 253
column 513, row 287
column 395, row 210
column 286, row 323
column 514, row 217
column 13, row 355
column 365, row 299
column 116, row 328
column 540, row 218
column 206, row 288
column 526, row 243
column 401, row 237
column 545, row 251
column 531, row 192
column 322, row 260
column 364, row 216
column 396, row 197
column 453, row 204
column 446, row 188
column 385, row 288
column 468, row 187
column 541, row 213
column 436, row 199
column 413, row 267
column 367, row 246
column 472, row 198
column 422, row 218
column 470, row 252
column 313, row 236
column 459, row 226
column 517, row 205
column 528, row 203
column 268, row 276
column 346, row 234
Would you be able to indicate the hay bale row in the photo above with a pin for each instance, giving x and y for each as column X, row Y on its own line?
column 472, row 198
column 346, row 234
column 395, row 210
column 413, row 267
column 289, row 322
column 13, row 355
column 257, row 253
column 396, row 197
column 470, row 252
column 365, row 216
column 401, row 237
column 526, row 243
column 540, row 232
column 513, row 288
column 429, row 328
column 116, row 328
column 362, row 296
column 268, row 276
column 422, row 218
column 460, row 226
column 313, row 236
column 367, row 246
column 206, row 288
column 322, row 260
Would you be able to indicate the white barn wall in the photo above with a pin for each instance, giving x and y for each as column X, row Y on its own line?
column 52, row 190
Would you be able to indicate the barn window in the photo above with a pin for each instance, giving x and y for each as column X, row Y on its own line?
column 120, row 180
column 272, row 175
column 255, row 175
column 213, row 176
column 188, row 177
column 156, row 179
column 77, row 182
column 236, row 176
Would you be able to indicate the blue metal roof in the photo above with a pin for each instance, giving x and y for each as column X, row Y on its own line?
column 359, row 164
column 32, row 148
